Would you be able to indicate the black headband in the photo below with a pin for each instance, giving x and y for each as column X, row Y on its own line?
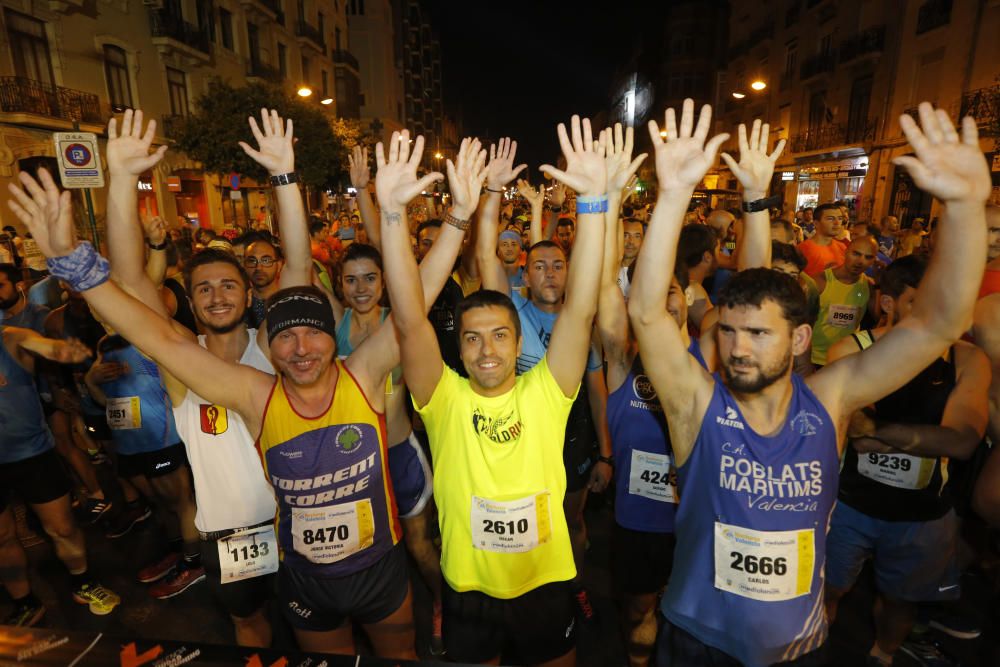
column 299, row 307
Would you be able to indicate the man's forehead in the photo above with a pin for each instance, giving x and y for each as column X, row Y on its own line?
column 261, row 249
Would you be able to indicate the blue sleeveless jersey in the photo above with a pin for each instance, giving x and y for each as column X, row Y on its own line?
column 138, row 412
column 645, row 477
column 23, row 431
column 751, row 532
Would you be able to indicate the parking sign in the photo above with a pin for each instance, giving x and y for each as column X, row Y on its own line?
column 79, row 159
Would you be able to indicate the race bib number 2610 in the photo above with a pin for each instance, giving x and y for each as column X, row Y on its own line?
column 512, row 526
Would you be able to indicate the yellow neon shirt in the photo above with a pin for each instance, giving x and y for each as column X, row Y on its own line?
column 841, row 308
column 506, row 452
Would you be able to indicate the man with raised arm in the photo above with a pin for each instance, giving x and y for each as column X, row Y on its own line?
column 757, row 448
column 496, row 437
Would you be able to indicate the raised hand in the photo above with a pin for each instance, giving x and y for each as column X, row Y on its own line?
column 585, row 169
column 128, row 150
column 534, row 197
column 275, row 141
column 948, row 167
column 630, row 188
column 71, row 351
column 155, row 229
column 501, row 170
column 621, row 167
column 557, row 195
column 360, row 174
column 755, row 167
column 685, row 157
column 466, row 176
column 396, row 182
column 47, row 213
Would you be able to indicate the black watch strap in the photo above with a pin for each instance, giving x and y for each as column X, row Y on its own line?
column 761, row 204
column 158, row 246
column 285, row 179
column 610, row 460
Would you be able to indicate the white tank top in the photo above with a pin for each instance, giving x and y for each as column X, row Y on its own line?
column 230, row 488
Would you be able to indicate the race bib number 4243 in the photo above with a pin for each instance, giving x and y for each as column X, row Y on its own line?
column 511, row 526
column 764, row 565
column 651, row 476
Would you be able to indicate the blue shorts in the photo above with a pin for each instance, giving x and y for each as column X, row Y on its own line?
column 411, row 477
column 914, row 561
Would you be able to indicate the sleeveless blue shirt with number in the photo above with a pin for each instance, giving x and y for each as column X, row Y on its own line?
column 751, row 532
column 645, row 478
column 139, row 412
column 23, row 431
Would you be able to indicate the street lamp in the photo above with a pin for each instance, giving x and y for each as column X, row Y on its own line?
column 438, row 156
column 304, row 91
column 328, row 100
column 739, row 95
column 758, row 85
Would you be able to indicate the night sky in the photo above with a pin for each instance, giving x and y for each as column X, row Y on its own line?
column 518, row 69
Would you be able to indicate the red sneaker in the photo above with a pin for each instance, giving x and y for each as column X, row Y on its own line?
column 182, row 579
column 159, row 569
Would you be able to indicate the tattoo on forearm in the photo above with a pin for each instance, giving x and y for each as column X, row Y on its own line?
column 392, row 219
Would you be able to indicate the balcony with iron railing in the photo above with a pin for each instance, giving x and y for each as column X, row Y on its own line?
column 310, row 34
column 259, row 70
column 933, row 14
column 867, row 42
column 983, row 105
column 22, row 95
column 835, row 134
column 342, row 57
column 821, row 63
column 171, row 31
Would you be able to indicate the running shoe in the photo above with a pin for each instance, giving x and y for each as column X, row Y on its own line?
column 123, row 524
column 95, row 508
column 26, row 614
column 100, row 599
column 584, row 609
column 437, row 638
column 954, row 625
column 926, row 653
column 182, row 579
column 159, row 569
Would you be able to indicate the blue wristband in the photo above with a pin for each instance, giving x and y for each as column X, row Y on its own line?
column 83, row 269
column 598, row 204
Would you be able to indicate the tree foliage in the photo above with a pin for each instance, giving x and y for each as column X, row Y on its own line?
column 212, row 133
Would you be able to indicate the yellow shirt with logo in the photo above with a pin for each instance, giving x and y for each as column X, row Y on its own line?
column 499, row 483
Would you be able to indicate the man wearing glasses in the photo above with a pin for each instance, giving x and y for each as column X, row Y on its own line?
column 263, row 263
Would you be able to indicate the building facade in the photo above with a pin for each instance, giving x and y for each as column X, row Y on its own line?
column 64, row 66
column 374, row 43
column 832, row 78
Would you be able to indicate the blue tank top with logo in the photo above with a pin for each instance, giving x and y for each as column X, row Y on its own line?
column 138, row 411
column 23, row 431
column 751, row 532
column 645, row 476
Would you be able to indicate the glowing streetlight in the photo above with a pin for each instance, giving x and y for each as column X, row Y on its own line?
column 739, row 96
column 663, row 133
column 304, row 91
column 438, row 156
column 758, row 85
column 328, row 100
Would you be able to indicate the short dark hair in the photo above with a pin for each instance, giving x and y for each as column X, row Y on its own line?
column 357, row 251
column 13, row 273
column 566, row 222
column 428, row 224
column 786, row 252
column 269, row 241
column 754, row 286
column 904, row 272
column 818, row 211
column 486, row 298
column 317, row 225
column 212, row 256
column 694, row 242
column 544, row 243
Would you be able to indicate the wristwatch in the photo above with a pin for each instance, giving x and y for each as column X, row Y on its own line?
column 761, row 204
column 158, row 246
column 285, row 179
column 610, row 460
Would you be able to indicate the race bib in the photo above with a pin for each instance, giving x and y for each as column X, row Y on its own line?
column 247, row 555
column 652, row 477
column 900, row 471
column 843, row 317
column 124, row 413
column 326, row 535
column 511, row 526
column 764, row 565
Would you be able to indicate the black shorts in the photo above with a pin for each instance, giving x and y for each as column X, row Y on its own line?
column 640, row 561
column 678, row 647
column 322, row 604
column 36, row 480
column 240, row 598
column 532, row 628
column 153, row 464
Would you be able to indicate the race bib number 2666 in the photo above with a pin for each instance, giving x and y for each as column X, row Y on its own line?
column 764, row 565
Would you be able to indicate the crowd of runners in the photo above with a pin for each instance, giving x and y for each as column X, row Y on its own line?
column 312, row 406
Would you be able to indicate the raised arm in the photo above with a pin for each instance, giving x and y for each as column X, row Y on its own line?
column 48, row 215
column 128, row 156
column 587, row 174
column 396, row 184
column 754, row 171
column 536, row 198
column 21, row 342
column 683, row 386
column 954, row 170
column 557, row 197
column 360, row 177
column 499, row 172
column 276, row 153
